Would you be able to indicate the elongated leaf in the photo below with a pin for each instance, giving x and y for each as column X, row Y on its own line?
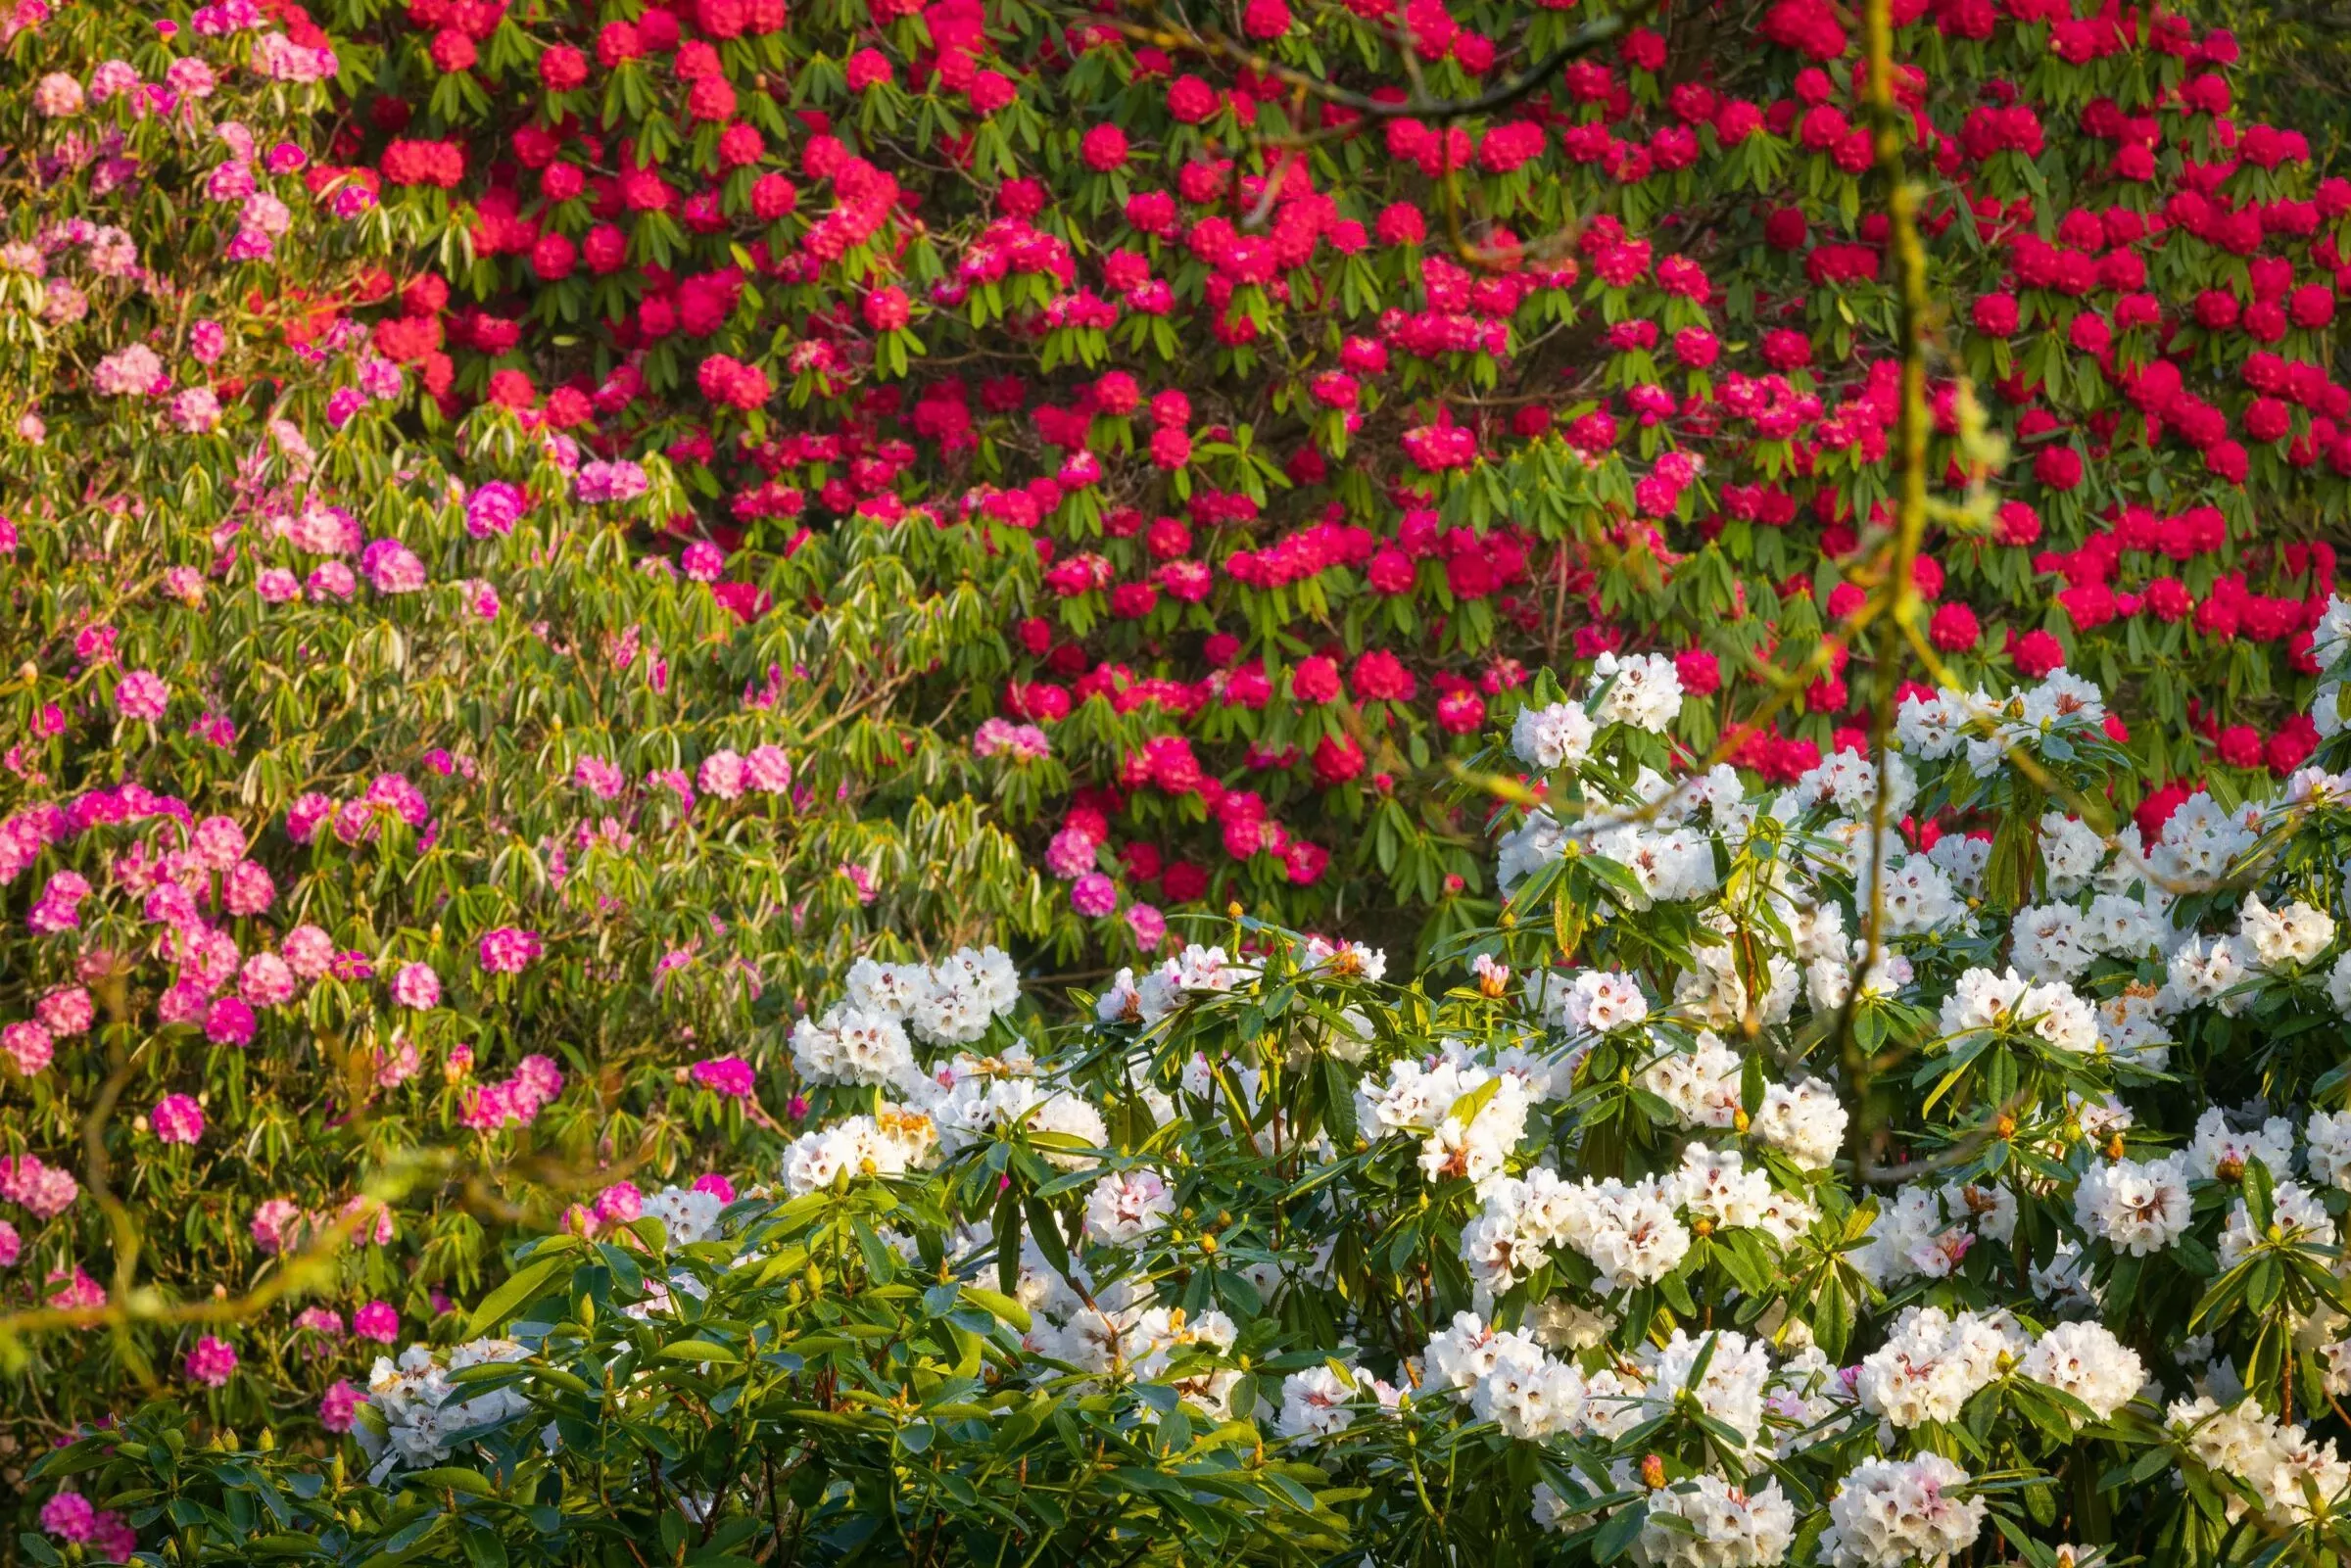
column 522, row 1287
column 1000, row 1304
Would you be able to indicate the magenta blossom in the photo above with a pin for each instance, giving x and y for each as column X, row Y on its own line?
column 43, row 1190
column 26, row 1045
column 415, row 986
column 722, row 775
column 341, row 1404
column 112, row 1539
column 730, row 1076
column 494, row 509
column 323, row 1321
column 246, row 888
column 70, row 1516
column 274, row 1222
column 211, row 1361
column 141, row 694
column 228, row 1021
column 508, row 950
column 76, row 1292
column 267, row 980
column 1093, row 895
column 65, row 1010
column 369, row 1219
column 392, row 567
column 1071, row 853
column 176, row 1118
column 58, row 908
column 768, row 769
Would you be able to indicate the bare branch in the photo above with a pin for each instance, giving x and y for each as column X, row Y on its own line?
column 1182, row 36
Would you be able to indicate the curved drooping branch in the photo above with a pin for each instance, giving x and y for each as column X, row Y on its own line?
column 1182, row 37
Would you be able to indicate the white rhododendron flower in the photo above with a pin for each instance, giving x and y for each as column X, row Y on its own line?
column 1551, row 737
column 1894, row 1513
column 1129, row 1206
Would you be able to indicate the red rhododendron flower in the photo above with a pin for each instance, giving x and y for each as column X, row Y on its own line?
column 1953, row 627
column 2036, row 653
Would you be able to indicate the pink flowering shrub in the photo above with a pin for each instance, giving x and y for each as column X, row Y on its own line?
column 357, row 888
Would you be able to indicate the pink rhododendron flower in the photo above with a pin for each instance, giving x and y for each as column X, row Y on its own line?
column 211, row 1362
column 729, row 1075
column 141, row 694
column 273, row 1220
column 508, row 950
column 70, row 1516
column 340, row 1405
column 415, row 986
column 177, row 1119
column 28, row 1045
column 44, row 1191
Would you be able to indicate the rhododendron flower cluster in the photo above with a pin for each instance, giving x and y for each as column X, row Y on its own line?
column 999, row 284
column 1607, row 1236
column 272, row 936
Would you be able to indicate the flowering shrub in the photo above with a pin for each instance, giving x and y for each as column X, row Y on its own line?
column 559, row 673
column 1771, row 1188
column 1310, row 380
column 389, row 855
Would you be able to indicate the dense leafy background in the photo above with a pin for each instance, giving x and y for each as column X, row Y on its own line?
column 990, row 366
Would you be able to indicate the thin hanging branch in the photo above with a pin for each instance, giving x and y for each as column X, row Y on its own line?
column 1179, row 35
column 1898, row 591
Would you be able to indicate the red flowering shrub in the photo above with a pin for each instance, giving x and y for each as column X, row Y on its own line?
column 1435, row 394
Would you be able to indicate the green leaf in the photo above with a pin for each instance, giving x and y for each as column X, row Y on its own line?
column 1338, row 1102
column 2263, row 1285
column 1617, row 1535
column 520, row 1289
column 998, row 1304
column 1045, row 1226
column 2260, row 1195
column 1008, row 1239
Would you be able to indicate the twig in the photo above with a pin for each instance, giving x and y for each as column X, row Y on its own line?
column 1589, row 36
column 1900, row 589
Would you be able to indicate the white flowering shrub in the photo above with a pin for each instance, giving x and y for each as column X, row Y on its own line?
column 1778, row 1182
